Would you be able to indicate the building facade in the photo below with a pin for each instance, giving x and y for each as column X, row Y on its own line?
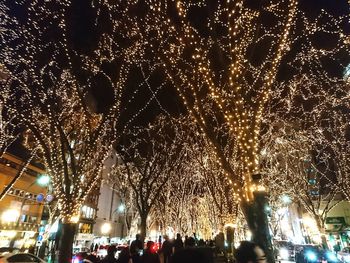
column 22, row 207
column 110, row 225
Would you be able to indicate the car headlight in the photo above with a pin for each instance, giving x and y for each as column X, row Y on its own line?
column 284, row 253
column 331, row 257
column 311, row 256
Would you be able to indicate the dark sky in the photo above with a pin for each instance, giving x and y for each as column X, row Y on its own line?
column 84, row 35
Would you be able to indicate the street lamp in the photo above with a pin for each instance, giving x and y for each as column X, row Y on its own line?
column 43, row 180
column 286, row 199
column 106, row 228
column 121, row 208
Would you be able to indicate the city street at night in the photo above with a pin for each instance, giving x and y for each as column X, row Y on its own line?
column 145, row 131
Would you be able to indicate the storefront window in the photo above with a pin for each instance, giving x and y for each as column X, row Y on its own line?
column 88, row 212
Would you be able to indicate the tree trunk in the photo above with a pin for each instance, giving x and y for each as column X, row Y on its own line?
column 143, row 227
column 66, row 242
column 230, row 234
column 321, row 228
column 256, row 217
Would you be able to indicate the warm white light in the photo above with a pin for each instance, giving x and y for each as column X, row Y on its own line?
column 9, row 234
column 106, row 228
column 10, row 215
column 74, row 219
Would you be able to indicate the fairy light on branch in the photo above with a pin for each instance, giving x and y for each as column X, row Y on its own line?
column 230, row 63
column 54, row 80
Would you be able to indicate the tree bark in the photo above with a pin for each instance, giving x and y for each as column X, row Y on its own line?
column 230, row 234
column 321, row 228
column 66, row 242
column 143, row 227
column 256, row 217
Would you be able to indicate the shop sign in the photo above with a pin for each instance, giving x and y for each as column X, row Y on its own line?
column 335, row 220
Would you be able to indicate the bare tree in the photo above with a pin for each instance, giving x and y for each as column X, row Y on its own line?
column 336, row 146
column 7, row 133
column 150, row 157
column 126, row 195
column 228, row 58
column 293, row 166
column 68, row 72
column 175, row 205
column 216, row 183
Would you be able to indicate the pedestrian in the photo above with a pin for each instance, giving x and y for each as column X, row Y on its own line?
column 150, row 255
column 201, row 243
column 195, row 238
column 91, row 259
column 186, row 240
column 160, row 241
column 167, row 248
column 136, row 246
column 124, row 256
column 178, row 244
column 136, row 249
column 110, row 258
column 249, row 252
column 220, row 243
column 336, row 247
column 190, row 242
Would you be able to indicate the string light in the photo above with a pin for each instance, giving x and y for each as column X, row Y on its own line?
column 51, row 83
column 151, row 156
column 241, row 87
column 7, row 133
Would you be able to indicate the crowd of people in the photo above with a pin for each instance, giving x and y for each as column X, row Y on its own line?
column 176, row 251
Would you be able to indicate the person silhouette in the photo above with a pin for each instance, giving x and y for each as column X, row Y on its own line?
column 249, row 252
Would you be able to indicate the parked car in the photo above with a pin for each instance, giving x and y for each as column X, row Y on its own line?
column 285, row 251
column 314, row 254
column 20, row 258
column 344, row 255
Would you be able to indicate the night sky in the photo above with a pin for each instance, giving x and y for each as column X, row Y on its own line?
column 83, row 35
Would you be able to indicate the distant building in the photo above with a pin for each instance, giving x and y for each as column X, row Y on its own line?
column 110, row 226
column 84, row 235
column 20, row 210
column 338, row 224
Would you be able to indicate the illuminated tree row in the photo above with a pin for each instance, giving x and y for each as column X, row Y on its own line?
column 229, row 60
column 68, row 69
column 150, row 157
